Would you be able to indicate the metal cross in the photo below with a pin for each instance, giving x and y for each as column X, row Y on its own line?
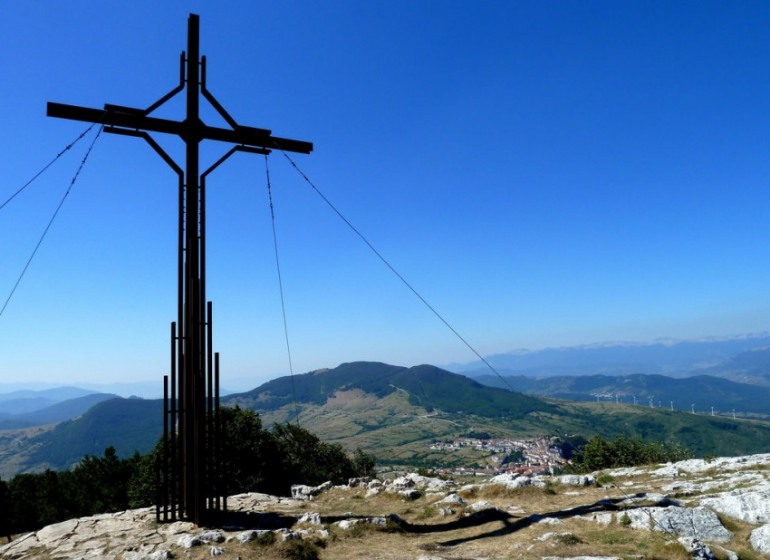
column 191, row 479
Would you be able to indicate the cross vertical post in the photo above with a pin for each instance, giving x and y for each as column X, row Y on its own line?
column 192, row 481
column 194, row 351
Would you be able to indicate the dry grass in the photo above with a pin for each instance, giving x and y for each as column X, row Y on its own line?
column 740, row 542
column 497, row 535
column 512, row 531
column 516, row 528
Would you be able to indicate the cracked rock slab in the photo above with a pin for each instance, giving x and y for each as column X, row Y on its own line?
column 748, row 506
column 699, row 522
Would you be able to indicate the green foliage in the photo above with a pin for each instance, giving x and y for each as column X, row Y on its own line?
column 23, row 499
column 363, row 464
column 300, row 549
column 5, row 519
column 101, row 483
column 600, row 453
column 515, row 456
column 478, row 435
column 305, row 459
column 569, row 539
column 454, row 393
column 605, row 479
column 249, row 453
column 253, row 459
column 428, row 512
column 568, row 445
column 95, row 485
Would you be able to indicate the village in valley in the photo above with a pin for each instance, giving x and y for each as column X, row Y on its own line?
column 523, row 456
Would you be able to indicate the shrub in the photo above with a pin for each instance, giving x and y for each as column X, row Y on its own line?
column 302, row 458
column 600, row 453
column 605, row 479
column 300, row 549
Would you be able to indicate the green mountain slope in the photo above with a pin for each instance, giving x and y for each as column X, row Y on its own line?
column 128, row 425
column 427, row 386
column 401, row 410
column 392, row 412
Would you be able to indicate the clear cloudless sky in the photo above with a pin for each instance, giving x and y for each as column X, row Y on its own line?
column 543, row 173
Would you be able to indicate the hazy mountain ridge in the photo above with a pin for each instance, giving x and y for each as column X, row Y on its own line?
column 38, row 410
column 701, row 391
column 50, row 395
column 745, row 359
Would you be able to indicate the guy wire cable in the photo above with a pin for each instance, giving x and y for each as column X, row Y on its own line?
column 49, row 164
column 50, row 222
column 280, row 287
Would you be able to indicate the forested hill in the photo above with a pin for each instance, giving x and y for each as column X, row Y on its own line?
column 427, row 386
column 128, row 425
column 391, row 412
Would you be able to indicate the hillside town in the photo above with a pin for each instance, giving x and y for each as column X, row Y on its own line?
column 524, row 456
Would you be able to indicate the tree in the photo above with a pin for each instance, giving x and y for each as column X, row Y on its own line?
column 51, row 501
column 599, row 453
column 249, row 453
column 253, row 460
column 143, row 484
column 22, row 498
column 363, row 464
column 100, row 484
column 305, row 459
column 5, row 520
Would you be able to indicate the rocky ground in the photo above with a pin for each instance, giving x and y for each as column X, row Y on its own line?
column 691, row 509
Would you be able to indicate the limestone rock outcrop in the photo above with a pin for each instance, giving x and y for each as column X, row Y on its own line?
column 682, row 500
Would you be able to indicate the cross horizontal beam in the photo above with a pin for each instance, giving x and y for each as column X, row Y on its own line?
column 192, row 131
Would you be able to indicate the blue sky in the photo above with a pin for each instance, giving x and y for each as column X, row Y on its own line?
column 543, row 173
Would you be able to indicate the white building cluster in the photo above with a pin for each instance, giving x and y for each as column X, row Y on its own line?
column 507, row 454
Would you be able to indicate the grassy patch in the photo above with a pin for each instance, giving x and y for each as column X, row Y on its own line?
column 300, row 549
column 614, row 537
column 427, row 513
column 668, row 551
column 498, row 491
column 605, row 479
column 569, row 539
column 551, row 487
column 740, row 542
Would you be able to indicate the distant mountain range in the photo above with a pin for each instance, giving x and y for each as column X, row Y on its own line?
column 391, row 411
column 23, row 409
column 700, row 392
column 37, row 399
column 743, row 359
